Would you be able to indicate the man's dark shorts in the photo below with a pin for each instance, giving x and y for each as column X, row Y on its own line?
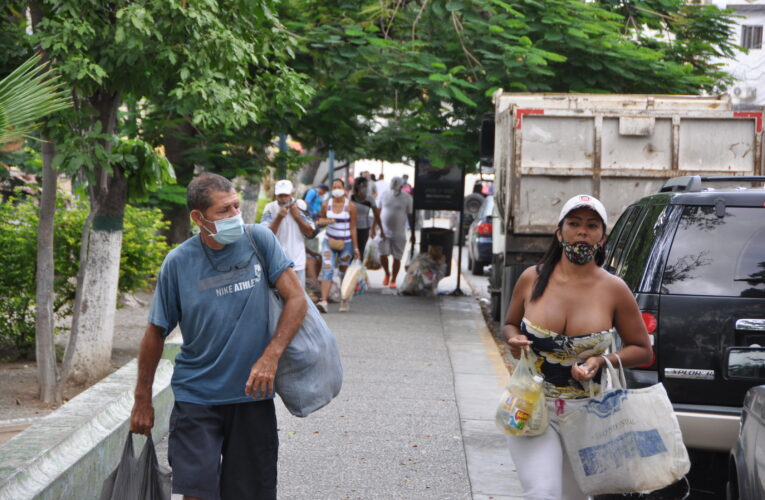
column 224, row 452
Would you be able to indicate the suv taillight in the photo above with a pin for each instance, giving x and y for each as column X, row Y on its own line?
column 650, row 324
column 484, row 228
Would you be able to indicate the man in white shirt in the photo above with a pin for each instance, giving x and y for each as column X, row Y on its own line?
column 381, row 185
column 396, row 210
column 290, row 221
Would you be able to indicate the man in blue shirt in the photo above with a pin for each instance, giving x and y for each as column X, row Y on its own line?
column 315, row 197
column 223, row 441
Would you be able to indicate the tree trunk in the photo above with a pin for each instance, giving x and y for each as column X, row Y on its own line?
column 249, row 192
column 177, row 146
column 307, row 174
column 44, row 322
column 90, row 343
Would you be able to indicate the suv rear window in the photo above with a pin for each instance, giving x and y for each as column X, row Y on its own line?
column 713, row 255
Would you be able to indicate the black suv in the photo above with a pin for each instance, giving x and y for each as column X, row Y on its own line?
column 694, row 256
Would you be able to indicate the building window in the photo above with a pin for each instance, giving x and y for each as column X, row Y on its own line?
column 751, row 37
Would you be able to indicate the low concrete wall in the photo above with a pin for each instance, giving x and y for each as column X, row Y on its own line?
column 68, row 454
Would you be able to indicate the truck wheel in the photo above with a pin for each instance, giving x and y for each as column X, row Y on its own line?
column 477, row 268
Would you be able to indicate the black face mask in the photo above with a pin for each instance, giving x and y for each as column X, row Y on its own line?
column 579, row 253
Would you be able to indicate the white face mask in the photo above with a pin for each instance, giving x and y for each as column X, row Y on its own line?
column 338, row 193
column 228, row 230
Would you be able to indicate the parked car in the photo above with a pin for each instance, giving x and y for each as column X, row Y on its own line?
column 694, row 256
column 746, row 478
column 479, row 237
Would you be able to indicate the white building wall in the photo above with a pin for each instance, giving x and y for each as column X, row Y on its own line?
column 748, row 69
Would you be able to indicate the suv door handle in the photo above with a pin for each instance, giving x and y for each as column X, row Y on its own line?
column 753, row 325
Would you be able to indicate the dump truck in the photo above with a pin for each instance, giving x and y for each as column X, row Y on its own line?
column 546, row 148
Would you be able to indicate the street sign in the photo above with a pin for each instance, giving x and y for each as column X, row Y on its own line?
column 438, row 188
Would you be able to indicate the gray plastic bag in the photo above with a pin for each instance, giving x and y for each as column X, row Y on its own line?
column 137, row 479
column 310, row 373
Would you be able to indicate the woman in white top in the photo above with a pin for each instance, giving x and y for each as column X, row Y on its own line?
column 340, row 243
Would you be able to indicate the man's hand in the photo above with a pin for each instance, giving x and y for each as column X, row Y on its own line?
column 262, row 374
column 283, row 211
column 294, row 210
column 142, row 416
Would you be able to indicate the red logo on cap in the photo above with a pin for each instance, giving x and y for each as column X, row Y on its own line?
column 584, row 198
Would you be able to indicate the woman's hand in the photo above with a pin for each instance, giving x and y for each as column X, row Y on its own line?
column 586, row 371
column 516, row 343
column 356, row 253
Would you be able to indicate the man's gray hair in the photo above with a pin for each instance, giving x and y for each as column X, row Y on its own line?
column 396, row 183
column 198, row 192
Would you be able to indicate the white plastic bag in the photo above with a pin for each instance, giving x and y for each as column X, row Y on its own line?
column 625, row 440
column 423, row 273
column 352, row 276
column 362, row 285
column 372, row 254
column 522, row 409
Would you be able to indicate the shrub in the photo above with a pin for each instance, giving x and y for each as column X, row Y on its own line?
column 143, row 249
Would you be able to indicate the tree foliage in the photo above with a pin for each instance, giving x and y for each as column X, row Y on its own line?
column 399, row 80
column 28, row 94
column 142, row 253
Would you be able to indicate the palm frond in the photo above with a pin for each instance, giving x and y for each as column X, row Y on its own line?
column 29, row 93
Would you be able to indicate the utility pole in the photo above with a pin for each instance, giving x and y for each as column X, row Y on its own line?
column 331, row 168
column 281, row 171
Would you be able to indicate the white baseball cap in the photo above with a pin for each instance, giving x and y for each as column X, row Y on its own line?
column 584, row 201
column 283, row 187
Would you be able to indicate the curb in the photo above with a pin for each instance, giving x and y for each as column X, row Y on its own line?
column 70, row 452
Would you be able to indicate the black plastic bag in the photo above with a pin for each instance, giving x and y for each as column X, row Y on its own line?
column 137, row 479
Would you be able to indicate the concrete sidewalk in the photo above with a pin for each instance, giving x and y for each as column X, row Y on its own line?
column 415, row 417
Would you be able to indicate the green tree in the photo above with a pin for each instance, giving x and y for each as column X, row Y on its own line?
column 207, row 64
column 27, row 95
column 397, row 80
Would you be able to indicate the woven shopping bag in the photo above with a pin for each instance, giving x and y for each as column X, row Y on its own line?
column 625, row 440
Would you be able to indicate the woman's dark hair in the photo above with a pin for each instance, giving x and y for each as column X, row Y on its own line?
column 360, row 183
column 551, row 257
column 338, row 180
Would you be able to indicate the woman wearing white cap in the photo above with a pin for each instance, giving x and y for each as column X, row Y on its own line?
column 566, row 309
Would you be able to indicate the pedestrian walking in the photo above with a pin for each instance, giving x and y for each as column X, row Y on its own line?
column 406, row 187
column 315, row 197
column 371, row 187
column 567, row 309
column 366, row 223
column 339, row 244
column 223, row 438
column 395, row 212
column 290, row 221
column 381, row 185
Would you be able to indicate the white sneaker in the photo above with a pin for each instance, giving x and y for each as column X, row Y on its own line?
column 322, row 306
column 345, row 306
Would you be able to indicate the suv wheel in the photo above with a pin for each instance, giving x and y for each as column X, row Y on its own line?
column 477, row 268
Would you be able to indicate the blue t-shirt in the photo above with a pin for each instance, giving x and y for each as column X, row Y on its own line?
column 220, row 300
column 313, row 199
